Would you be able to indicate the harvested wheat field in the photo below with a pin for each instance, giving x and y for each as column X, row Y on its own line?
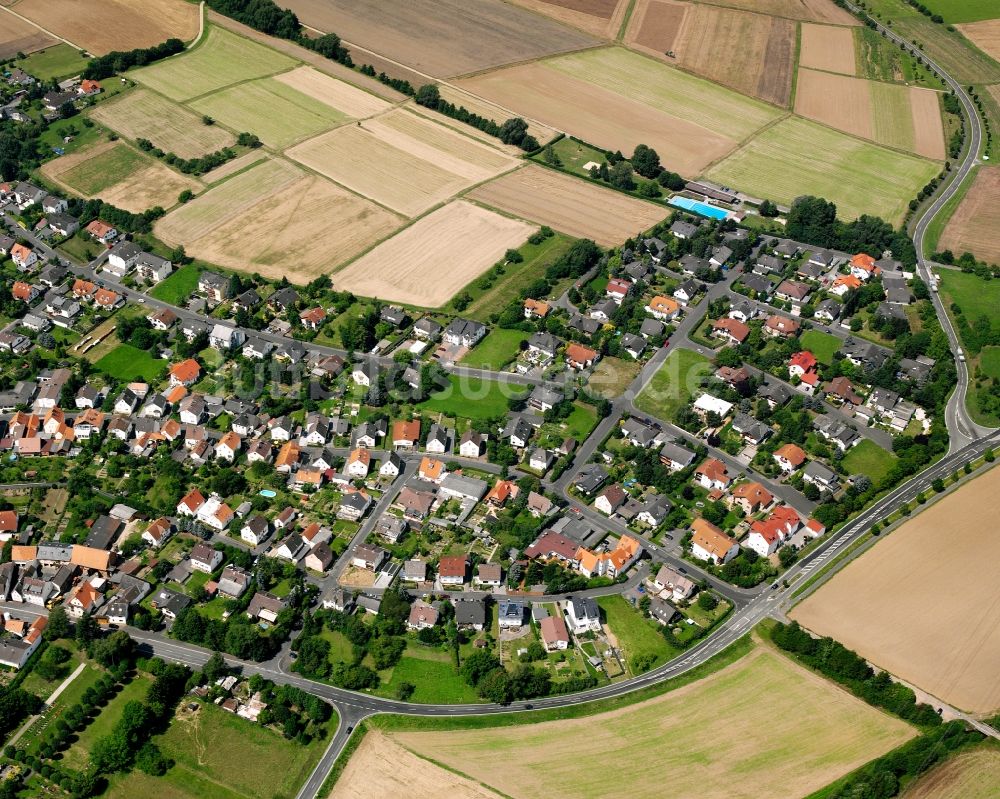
column 923, row 603
column 225, row 201
column 409, row 163
column 142, row 114
column 441, row 37
column 600, row 18
column 708, row 740
column 570, row 205
column 18, row 36
column 751, row 53
column 299, row 232
column 349, row 100
column 478, row 105
column 828, row 48
column 836, row 100
column 985, row 35
column 806, row 10
column 100, row 26
column 382, row 769
column 974, row 225
column 970, row 775
column 439, row 254
column 234, row 166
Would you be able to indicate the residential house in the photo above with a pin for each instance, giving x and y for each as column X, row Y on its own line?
column 464, row 332
column 712, row 474
column 730, row 330
column 781, row 327
column 709, row 543
column 453, row 570
column 663, row 308
column 205, row 558
column 751, row 497
column 555, row 635
column 580, row 357
column 583, row 615
column 368, row 556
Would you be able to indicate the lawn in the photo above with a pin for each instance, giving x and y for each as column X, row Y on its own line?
column 612, row 376
column 973, row 295
column 869, row 458
column 220, row 59
column 637, row 636
column 822, row 345
column 179, row 287
column 989, row 361
column 434, row 677
column 503, row 291
column 495, row 351
column 764, row 724
column 103, row 170
column 472, row 398
column 860, row 177
column 78, row 754
column 674, row 384
column 580, row 422
column 35, row 684
column 219, row 754
column 54, row 63
column 126, row 362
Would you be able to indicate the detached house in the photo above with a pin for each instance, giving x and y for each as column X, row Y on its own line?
column 709, row 543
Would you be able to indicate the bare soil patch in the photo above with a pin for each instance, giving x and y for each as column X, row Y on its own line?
column 569, row 204
column 18, row 36
column 601, row 117
column 975, row 223
column 142, row 114
column 100, row 26
column 828, row 48
column 442, row 37
column 357, row 578
column 299, row 232
column 923, row 603
column 382, row 769
column 985, row 35
column 928, row 129
column 841, row 102
column 807, row 10
column 600, row 18
column 428, row 262
column 708, row 740
column 970, row 775
column 656, row 25
column 339, row 95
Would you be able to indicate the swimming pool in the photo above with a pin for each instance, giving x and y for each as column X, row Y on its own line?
column 267, row 492
column 698, row 207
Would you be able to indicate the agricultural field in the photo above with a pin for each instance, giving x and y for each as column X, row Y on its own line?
column 600, row 18
column 410, row 163
column 105, row 25
column 674, row 383
column 128, row 363
column 616, row 99
column 985, row 35
column 963, row 10
column 896, row 116
column 974, row 774
column 974, row 225
column 142, row 114
column 485, row 108
column 276, row 239
column 879, row 59
column 880, row 605
column 442, row 37
column 573, row 206
column 220, row 59
column 428, row 262
column 382, row 769
column 18, row 36
column 861, row 178
column 709, row 733
column 53, row 63
column 759, row 51
column 206, row 744
column 279, row 114
column 345, row 98
column 120, row 175
column 806, row 10
column 827, row 48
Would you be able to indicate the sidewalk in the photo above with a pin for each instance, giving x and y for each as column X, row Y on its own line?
column 48, row 704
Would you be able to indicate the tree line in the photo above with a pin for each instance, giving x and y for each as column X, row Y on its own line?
column 118, row 61
column 514, row 131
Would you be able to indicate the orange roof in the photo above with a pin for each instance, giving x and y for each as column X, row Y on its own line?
column 359, row 455
column 662, row 304
column 186, row 371
column 311, row 476
column 171, row 428
column 91, row 416
column 20, row 251
column 106, row 297
column 710, row 538
column 193, row 500
column 754, row 493
column 311, row 531
column 816, row 526
column 313, row 315
column 21, row 554
column 8, row 521
column 21, row 291
column 537, row 307
column 767, row 530
column 431, row 468
column 588, row 560
column 37, row 628
column 91, row 558
column 786, row 515
column 734, row 327
column 502, row 491
column 577, row 353
column 847, row 280
column 231, row 440
column 176, row 394
column 453, row 566
column 85, row 595
column 99, row 228
column 713, row 469
column 288, row 455
column 863, row 261
column 89, row 85
column 83, row 288
column 406, row 431
column 792, row 453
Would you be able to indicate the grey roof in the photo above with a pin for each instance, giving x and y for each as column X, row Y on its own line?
column 585, row 607
column 470, row 611
column 677, row 454
column 651, row 328
column 545, row 342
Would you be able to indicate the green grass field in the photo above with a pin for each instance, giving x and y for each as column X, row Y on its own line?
column 879, row 59
column 433, row 675
column 674, row 383
column 940, row 222
column 975, row 296
column 126, row 362
column 637, row 636
column 869, row 458
column 580, row 422
column 499, row 348
column 104, row 169
column 861, row 178
column 290, row 115
column 708, row 738
column 964, row 10
column 892, row 116
column 77, row 755
column 647, row 81
column 471, row 398
column 822, row 345
column 54, row 63
column 220, row 59
column 989, row 361
column 219, row 754
column 179, row 287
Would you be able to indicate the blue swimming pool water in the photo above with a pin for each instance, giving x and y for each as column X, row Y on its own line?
column 698, row 207
column 267, row 492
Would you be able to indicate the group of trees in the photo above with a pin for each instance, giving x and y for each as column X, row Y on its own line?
column 118, row 61
column 514, row 131
column 617, row 171
column 87, row 211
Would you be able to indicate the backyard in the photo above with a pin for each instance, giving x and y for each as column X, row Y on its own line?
column 822, row 345
column 126, row 362
column 472, row 398
column 674, row 384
